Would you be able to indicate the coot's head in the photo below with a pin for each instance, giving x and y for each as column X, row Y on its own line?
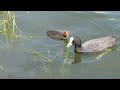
column 74, row 40
column 66, row 33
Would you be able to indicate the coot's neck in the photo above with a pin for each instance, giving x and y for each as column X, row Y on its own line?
column 78, row 48
column 78, row 44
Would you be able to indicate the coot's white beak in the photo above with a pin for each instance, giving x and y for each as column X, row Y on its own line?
column 70, row 42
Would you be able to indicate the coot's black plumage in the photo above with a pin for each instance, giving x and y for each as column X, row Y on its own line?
column 57, row 35
column 94, row 45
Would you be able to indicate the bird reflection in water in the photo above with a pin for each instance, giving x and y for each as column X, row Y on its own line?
column 77, row 58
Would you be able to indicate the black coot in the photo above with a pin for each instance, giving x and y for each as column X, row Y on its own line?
column 94, row 45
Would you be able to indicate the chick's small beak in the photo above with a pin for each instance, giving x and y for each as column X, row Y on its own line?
column 70, row 42
column 66, row 33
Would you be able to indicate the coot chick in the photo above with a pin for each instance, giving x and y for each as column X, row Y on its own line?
column 57, row 35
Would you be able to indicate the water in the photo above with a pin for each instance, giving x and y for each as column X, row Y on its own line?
column 16, row 62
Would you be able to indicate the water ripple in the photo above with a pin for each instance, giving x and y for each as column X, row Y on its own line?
column 101, row 12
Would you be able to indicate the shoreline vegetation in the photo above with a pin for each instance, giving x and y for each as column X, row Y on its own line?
column 8, row 27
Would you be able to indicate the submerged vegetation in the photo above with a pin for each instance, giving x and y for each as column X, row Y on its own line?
column 42, row 57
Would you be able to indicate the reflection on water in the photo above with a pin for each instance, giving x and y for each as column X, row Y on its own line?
column 77, row 58
column 85, row 57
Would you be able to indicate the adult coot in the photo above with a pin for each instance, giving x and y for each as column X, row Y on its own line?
column 94, row 45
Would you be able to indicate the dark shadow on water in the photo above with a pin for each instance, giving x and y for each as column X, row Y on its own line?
column 77, row 58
